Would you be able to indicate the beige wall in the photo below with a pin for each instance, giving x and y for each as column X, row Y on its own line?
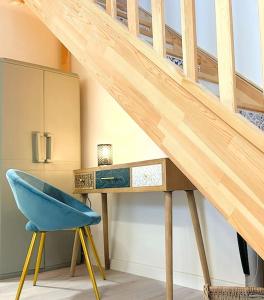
column 104, row 121
column 136, row 220
column 24, row 37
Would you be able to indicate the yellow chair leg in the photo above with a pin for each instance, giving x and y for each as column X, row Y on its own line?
column 39, row 257
column 88, row 264
column 26, row 265
column 90, row 238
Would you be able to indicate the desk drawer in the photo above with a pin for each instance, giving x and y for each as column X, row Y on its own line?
column 116, row 178
column 84, row 181
column 144, row 176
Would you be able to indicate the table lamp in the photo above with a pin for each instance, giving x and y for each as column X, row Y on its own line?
column 104, row 154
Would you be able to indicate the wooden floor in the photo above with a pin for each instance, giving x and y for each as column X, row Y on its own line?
column 57, row 285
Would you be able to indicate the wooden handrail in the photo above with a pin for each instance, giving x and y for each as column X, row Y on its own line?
column 132, row 17
column 225, row 53
column 158, row 26
column 189, row 44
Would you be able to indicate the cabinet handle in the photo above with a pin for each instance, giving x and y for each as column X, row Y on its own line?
column 38, row 147
column 49, row 147
column 107, row 178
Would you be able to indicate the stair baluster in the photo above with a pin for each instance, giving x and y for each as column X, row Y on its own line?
column 111, row 8
column 225, row 53
column 189, row 43
column 132, row 17
column 158, row 26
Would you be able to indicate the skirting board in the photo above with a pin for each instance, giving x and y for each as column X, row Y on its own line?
column 182, row 279
column 31, row 271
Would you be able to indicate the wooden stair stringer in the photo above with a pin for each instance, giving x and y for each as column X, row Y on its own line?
column 221, row 153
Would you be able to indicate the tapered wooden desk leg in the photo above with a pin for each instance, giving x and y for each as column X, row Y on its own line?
column 76, row 244
column 168, row 245
column 75, row 251
column 198, row 236
column 105, row 230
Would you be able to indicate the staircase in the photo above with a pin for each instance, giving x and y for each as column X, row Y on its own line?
column 216, row 148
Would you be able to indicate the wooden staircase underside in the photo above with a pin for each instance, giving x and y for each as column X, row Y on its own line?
column 218, row 150
column 249, row 96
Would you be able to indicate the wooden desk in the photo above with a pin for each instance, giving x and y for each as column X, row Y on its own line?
column 159, row 175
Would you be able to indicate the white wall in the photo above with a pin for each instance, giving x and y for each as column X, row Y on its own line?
column 23, row 37
column 247, row 39
column 136, row 220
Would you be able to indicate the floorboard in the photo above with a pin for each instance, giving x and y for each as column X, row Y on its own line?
column 58, row 285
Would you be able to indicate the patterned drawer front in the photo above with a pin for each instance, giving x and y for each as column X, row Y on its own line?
column 116, row 178
column 85, row 181
column 147, row 176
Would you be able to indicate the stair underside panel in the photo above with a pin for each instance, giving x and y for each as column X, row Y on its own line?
column 223, row 163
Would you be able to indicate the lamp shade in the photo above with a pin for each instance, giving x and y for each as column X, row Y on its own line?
column 104, row 154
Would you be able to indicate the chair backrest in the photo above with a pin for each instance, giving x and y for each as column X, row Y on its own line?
column 31, row 183
column 41, row 203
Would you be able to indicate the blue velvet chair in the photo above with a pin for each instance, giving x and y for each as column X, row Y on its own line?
column 49, row 209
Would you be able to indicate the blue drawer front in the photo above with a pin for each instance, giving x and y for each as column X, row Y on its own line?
column 116, row 178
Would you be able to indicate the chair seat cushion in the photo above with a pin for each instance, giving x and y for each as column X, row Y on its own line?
column 31, row 227
column 92, row 219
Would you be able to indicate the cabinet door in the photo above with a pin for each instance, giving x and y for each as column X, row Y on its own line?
column 21, row 111
column 14, row 239
column 62, row 119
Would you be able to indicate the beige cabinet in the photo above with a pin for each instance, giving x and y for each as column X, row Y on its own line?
column 36, row 99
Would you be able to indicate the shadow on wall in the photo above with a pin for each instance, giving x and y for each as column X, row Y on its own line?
column 148, row 208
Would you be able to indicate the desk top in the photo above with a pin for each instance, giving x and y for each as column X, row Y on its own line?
column 144, row 176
